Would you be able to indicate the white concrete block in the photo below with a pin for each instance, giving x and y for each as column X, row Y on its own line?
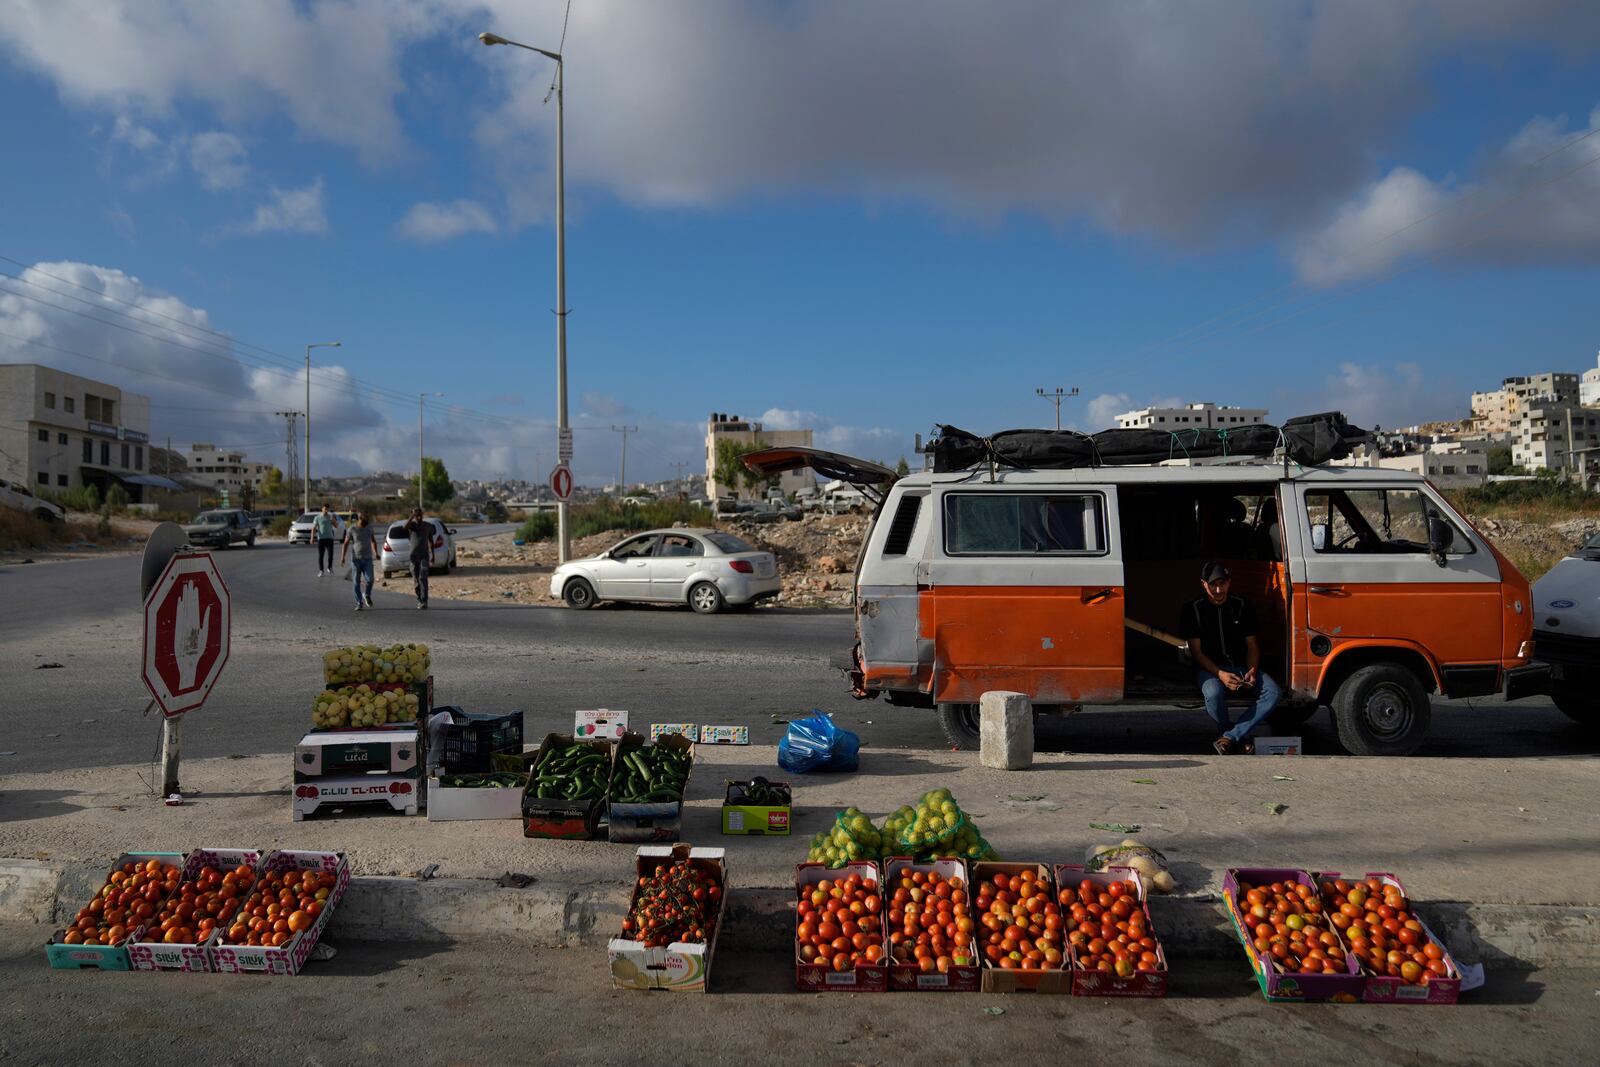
column 1005, row 731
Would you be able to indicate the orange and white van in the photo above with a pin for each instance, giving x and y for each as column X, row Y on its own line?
column 1373, row 592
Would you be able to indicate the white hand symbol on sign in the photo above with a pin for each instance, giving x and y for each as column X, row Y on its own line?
column 189, row 635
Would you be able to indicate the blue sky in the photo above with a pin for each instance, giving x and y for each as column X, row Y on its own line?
column 861, row 218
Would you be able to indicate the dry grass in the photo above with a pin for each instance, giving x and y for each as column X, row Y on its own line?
column 21, row 532
column 1532, row 563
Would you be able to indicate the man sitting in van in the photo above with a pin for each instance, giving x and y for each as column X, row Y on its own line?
column 1221, row 630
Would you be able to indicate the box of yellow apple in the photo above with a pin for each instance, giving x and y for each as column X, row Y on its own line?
column 369, row 707
column 394, row 665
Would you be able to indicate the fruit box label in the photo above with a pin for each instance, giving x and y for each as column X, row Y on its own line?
column 724, row 735
column 659, row 730
column 600, row 724
column 1278, row 746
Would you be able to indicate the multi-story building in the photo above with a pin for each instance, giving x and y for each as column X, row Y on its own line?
column 1558, row 436
column 61, row 431
column 1589, row 387
column 1497, row 411
column 1204, row 415
column 223, row 468
column 722, row 427
column 1449, row 465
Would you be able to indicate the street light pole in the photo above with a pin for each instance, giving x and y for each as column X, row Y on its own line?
column 305, row 504
column 421, row 397
column 1057, row 396
column 562, row 431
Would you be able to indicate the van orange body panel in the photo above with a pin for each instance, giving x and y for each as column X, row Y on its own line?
column 1059, row 644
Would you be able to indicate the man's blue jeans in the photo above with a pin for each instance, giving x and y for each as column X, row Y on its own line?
column 361, row 568
column 1265, row 691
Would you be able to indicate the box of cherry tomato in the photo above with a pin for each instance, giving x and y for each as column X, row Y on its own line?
column 1020, row 929
column 179, row 936
column 1403, row 960
column 929, row 946
column 1288, row 912
column 103, row 928
column 839, row 939
column 289, row 905
column 669, row 934
column 1130, row 962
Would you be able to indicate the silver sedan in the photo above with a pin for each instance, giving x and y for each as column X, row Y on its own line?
column 706, row 569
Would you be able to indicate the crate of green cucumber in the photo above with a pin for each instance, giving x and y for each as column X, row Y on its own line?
column 566, row 792
column 647, row 788
column 757, row 807
column 496, row 795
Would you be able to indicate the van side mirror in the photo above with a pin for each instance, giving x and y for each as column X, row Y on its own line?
column 1319, row 536
column 1440, row 537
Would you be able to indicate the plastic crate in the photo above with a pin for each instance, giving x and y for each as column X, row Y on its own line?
column 471, row 741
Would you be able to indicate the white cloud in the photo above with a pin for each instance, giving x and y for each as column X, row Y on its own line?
column 288, row 211
column 140, row 138
column 219, row 159
column 1102, row 411
column 864, row 442
column 1521, row 207
column 441, row 222
column 604, row 405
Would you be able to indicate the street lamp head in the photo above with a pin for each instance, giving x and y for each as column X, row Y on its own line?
column 492, row 38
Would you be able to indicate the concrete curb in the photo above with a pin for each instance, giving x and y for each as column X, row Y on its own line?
column 557, row 914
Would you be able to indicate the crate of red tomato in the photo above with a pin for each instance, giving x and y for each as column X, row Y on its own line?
column 839, row 938
column 929, row 921
column 1114, row 951
column 1020, row 929
column 181, row 931
column 1284, row 926
column 669, row 934
column 289, row 905
column 118, row 913
column 1402, row 960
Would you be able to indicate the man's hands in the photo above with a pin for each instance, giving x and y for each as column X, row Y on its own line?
column 1247, row 680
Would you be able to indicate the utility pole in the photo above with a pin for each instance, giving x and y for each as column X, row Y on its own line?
column 291, row 461
column 1057, row 395
column 622, row 477
column 305, row 490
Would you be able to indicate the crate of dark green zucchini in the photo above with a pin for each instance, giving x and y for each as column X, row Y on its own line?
column 566, row 792
column 647, row 788
column 757, row 807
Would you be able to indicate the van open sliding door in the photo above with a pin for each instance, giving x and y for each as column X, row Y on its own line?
column 1023, row 590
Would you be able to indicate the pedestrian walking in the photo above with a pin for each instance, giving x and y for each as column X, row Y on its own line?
column 325, row 530
column 361, row 544
column 420, row 530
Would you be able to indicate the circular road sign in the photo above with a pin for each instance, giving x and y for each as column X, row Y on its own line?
column 561, row 482
column 187, row 626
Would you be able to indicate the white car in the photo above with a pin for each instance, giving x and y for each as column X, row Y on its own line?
column 396, row 554
column 706, row 569
column 16, row 495
column 300, row 529
column 1566, row 631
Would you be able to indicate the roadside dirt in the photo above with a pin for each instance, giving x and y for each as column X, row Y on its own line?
column 24, row 539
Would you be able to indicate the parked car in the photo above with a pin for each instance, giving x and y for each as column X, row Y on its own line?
column 773, row 511
column 1065, row 584
column 396, row 555
column 16, row 495
column 706, row 569
column 221, row 528
column 300, row 530
column 1566, row 635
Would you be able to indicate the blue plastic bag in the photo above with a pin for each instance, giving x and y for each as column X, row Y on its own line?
column 814, row 743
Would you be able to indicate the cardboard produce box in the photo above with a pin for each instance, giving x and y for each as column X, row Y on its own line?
column 459, row 801
column 657, row 821
column 997, row 979
column 1384, row 989
column 681, row 966
column 864, row 976
column 104, row 957
column 154, row 954
column 908, row 975
column 290, row 957
column 400, row 792
column 1275, row 984
column 347, row 752
column 1087, row 983
column 572, row 820
column 740, row 817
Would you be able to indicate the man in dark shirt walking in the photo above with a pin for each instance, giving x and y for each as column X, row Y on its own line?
column 1221, row 630
column 420, row 530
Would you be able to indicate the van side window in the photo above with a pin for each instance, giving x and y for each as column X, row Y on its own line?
column 898, row 538
column 1374, row 521
column 1024, row 524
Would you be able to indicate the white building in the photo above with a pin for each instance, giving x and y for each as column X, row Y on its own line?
column 223, row 468
column 1204, row 415
column 1589, row 386
column 1449, row 464
column 1555, row 436
column 720, row 427
column 59, row 431
column 1499, row 409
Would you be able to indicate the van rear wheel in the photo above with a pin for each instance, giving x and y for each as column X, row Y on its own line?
column 1381, row 710
column 1581, row 706
column 960, row 725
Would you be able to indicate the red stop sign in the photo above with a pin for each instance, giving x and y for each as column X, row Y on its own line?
column 187, row 624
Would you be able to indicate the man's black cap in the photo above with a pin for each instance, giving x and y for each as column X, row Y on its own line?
column 1214, row 572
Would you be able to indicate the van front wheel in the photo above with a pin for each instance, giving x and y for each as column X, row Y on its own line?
column 1381, row 710
column 960, row 725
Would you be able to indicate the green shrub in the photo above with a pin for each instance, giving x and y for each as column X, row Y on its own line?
column 279, row 526
column 117, row 498
column 605, row 516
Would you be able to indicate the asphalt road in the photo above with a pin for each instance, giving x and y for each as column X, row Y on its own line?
column 71, row 634
column 493, row 1003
